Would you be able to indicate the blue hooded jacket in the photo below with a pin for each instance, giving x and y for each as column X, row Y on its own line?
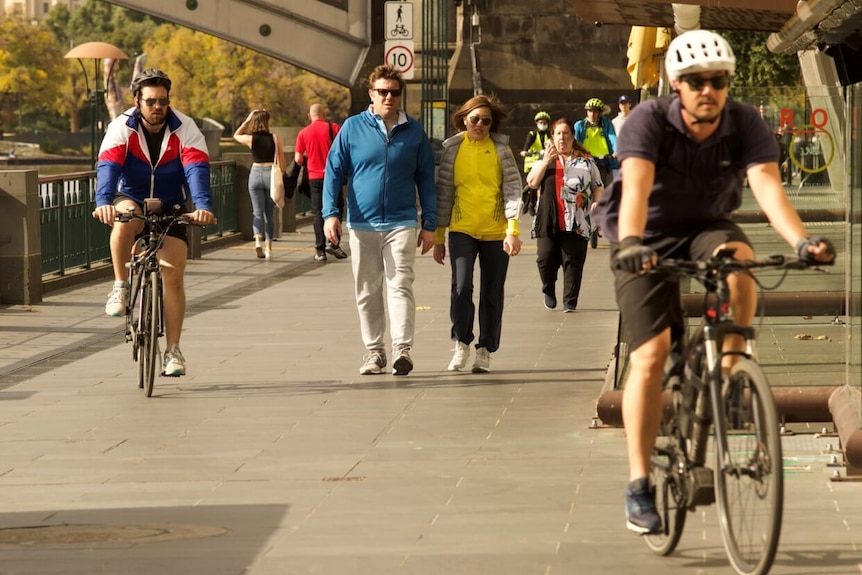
column 382, row 173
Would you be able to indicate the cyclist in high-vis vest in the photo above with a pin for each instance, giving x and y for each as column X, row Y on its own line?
column 534, row 149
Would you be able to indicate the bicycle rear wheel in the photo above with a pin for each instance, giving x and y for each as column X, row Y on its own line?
column 669, row 496
column 149, row 355
column 749, row 482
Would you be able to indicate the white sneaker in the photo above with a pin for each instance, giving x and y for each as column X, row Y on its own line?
column 459, row 360
column 374, row 363
column 174, row 364
column 483, row 361
column 117, row 299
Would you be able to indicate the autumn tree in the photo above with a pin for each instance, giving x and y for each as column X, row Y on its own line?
column 221, row 80
column 30, row 65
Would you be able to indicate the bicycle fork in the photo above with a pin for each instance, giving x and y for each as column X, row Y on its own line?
column 724, row 398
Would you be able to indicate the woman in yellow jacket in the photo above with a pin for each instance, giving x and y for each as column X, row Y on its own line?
column 478, row 199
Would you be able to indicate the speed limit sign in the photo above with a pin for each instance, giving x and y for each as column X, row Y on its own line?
column 400, row 55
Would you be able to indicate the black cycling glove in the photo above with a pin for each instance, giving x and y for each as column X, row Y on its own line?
column 633, row 255
column 804, row 243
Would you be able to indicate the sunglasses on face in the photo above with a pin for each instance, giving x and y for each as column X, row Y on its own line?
column 476, row 119
column 396, row 93
column 150, row 102
column 697, row 83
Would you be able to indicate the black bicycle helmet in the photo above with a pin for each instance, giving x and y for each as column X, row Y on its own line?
column 150, row 77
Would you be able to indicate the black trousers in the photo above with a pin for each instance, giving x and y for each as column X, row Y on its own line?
column 316, row 190
column 566, row 249
column 494, row 263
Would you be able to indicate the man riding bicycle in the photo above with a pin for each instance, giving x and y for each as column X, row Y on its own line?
column 153, row 151
column 679, row 206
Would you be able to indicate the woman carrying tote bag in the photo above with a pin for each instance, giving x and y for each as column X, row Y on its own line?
column 265, row 147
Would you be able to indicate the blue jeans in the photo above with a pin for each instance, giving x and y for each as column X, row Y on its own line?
column 494, row 264
column 262, row 206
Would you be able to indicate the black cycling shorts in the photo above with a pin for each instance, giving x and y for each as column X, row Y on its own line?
column 176, row 231
column 649, row 304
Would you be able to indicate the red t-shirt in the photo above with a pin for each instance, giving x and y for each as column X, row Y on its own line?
column 314, row 142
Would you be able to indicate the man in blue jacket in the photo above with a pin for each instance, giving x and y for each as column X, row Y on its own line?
column 385, row 157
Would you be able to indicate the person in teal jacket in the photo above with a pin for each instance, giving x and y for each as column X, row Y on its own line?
column 597, row 135
column 385, row 157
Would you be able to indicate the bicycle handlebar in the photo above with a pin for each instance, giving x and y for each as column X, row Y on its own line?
column 723, row 264
column 161, row 220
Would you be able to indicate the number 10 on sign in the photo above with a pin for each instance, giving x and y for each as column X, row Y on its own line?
column 400, row 55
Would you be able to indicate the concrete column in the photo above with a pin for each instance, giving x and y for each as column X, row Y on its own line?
column 823, row 87
column 20, row 238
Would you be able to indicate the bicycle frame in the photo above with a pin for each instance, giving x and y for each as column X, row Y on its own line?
column 738, row 408
column 145, row 319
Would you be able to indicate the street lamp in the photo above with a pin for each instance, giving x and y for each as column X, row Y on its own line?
column 95, row 51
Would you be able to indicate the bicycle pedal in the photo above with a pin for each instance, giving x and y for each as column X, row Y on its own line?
column 702, row 490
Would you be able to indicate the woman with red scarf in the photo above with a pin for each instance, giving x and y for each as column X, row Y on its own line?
column 569, row 185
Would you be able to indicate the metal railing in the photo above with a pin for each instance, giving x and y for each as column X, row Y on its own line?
column 72, row 238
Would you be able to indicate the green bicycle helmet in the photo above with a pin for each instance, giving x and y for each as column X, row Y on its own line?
column 542, row 116
column 594, row 104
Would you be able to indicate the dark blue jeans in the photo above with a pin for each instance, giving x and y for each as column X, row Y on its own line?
column 493, row 263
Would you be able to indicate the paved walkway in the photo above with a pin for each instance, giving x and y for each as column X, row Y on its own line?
column 273, row 456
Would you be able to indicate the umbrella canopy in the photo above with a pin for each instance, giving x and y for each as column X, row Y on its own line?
column 645, row 51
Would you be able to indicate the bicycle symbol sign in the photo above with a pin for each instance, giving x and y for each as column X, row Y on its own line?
column 399, row 20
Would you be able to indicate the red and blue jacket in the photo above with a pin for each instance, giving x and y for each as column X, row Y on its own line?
column 125, row 167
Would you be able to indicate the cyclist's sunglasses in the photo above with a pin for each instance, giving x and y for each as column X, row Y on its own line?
column 697, row 83
column 150, row 102
column 476, row 119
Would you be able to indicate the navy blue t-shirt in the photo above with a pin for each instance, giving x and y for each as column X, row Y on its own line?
column 699, row 182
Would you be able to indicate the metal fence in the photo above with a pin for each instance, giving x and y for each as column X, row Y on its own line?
column 72, row 238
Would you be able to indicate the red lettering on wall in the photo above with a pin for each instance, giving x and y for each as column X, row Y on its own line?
column 819, row 113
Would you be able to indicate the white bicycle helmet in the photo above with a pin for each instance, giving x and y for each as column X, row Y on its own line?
column 698, row 51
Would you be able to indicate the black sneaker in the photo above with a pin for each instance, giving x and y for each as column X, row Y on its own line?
column 320, row 257
column 641, row 515
column 336, row 251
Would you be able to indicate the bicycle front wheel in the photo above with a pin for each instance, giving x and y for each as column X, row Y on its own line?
column 150, row 331
column 748, row 478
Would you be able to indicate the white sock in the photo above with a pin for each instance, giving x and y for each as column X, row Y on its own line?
column 119, row 284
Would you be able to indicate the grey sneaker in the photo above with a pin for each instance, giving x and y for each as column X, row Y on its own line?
column 375, row 361
column 641, row 515
column 117, row 302
column 402, row 364
column 483, row 361
column 174, row 364
column 459, row 360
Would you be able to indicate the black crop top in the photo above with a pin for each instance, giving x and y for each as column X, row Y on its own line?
column 262, row 148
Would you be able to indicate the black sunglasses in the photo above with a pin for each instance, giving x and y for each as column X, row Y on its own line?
column 150, row 102
column 396, row 93
column 697, row 83
column 476, row 119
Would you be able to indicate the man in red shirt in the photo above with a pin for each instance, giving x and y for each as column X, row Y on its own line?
column 312, row 147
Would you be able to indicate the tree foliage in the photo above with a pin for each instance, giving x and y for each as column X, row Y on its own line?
column 29, row 67
column 756, row 66
column 218, row 79
column 212, row 77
